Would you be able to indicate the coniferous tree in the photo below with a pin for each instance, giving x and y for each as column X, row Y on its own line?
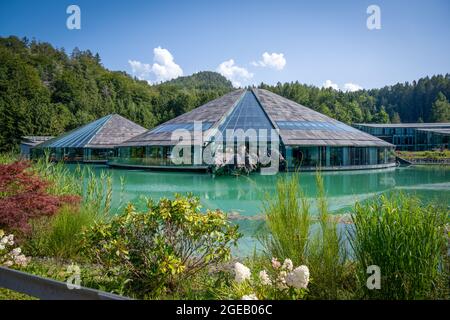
column 440, row 111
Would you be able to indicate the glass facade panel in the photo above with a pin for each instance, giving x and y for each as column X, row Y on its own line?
column 177, row 126
column 338, row 156
column 248, row 114
column 314, row 125
column 416, row 138
column 98, row 154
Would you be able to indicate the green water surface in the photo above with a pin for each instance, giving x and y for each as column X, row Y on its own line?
column 243, row 195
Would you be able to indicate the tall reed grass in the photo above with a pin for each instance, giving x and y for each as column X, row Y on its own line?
column 407, row 240
column 60, row 235
column 288, row 221
column 8, row 157
column 327, row 254
column 294, row 232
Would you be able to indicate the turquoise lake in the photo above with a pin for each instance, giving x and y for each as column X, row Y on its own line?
column 242, row 196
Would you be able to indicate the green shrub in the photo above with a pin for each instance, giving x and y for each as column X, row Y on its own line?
column 151, row 252
column 60, row 236
column 407, row 240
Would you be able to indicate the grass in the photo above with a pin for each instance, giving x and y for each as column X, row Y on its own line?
column 60, row 236
column 431, row 155
column 407, row 240
column 6, row 294
column 288, row 221
column 292, row 234
column 327, row 255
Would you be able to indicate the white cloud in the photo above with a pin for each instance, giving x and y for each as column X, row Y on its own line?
column 352, row 87
column 237, row 75
column 139, row 69
column 330, row 84
column 271, row 60
column 348, row 87
column 164, row 67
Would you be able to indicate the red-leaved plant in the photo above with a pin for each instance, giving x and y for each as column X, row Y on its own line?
column 24, row 196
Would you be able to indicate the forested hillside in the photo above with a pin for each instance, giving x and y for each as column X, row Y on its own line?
column 45, row 91
column 205, row 80
column 425, row 100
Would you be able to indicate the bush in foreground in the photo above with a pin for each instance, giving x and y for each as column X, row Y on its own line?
column 24, row 196
column 153, row 251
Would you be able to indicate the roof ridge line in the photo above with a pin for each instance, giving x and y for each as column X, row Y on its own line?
column 224, row 116
column 274, row 124
column 100, row 128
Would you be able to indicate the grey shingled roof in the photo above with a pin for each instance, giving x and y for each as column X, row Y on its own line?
column 214, row 111
column 35, row 140
column 281, row 109
column 277, row 109
column 117, row 130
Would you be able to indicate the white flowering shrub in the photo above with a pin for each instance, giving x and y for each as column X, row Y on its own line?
column 282, row 281
column 11, row 256
column 241, row 272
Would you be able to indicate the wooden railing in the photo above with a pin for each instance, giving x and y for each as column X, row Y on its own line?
column 49, row 289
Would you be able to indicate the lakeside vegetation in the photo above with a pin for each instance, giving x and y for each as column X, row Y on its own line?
column 46, row 91
column 173, row 251
column 424, row 156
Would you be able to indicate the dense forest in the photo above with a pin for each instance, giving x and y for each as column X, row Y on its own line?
column 46, row 91
column 425, row 100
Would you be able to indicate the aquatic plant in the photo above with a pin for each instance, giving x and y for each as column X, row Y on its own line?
column 327, row 253
column 60, row 236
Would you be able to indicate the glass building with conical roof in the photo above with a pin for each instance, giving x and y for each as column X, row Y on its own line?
column 93, row 142
column 304, row 138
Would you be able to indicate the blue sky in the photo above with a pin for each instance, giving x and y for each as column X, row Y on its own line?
column 318, row 40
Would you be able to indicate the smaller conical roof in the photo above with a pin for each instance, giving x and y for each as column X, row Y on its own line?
column 106, row 132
